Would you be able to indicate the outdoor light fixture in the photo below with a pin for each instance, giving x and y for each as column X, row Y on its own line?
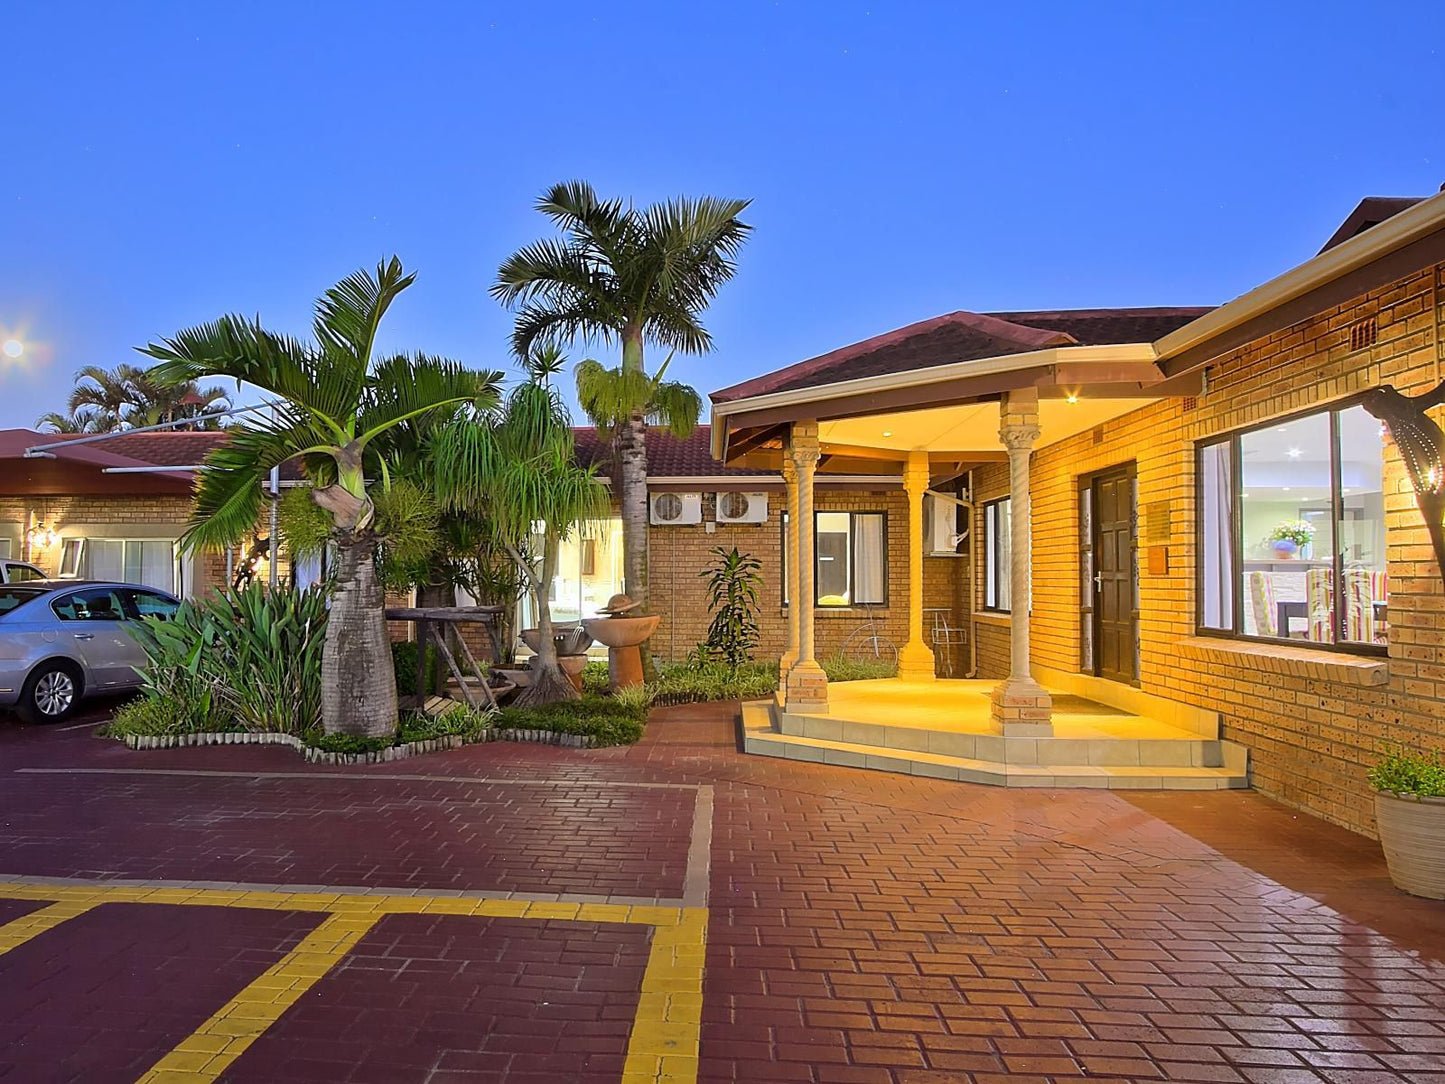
column 41, row 536
column 887, row 432
column 1422, row 447
column 1073, row 398
column 1294, row 453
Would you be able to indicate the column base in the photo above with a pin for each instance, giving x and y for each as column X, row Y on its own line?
column 806, row 689
column 786, row 663
column 915, row 662
column 1022, row 708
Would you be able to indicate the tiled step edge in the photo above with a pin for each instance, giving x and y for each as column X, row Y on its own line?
column 760, row 739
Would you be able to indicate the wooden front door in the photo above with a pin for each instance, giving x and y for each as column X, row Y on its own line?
column 1116, row 618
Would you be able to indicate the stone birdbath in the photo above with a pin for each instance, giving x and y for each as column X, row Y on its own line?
column 571, row 642
column 622, row 635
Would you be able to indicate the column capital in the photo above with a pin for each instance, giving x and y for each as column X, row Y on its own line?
column 916, row 473
column 790, row 469
column 1017, row 436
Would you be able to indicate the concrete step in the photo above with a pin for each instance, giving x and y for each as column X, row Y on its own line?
column 760, row 737
column 1147, row 752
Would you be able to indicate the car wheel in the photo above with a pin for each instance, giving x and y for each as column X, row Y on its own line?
column 51, row 693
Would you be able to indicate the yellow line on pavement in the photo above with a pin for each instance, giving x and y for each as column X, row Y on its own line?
column 663, row 1046
column 211, row 1048
column 20, row 930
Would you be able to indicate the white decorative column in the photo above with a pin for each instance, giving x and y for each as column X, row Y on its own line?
column 790, row 562
column 1021, row 707
column 807, row 686
column 915, row 658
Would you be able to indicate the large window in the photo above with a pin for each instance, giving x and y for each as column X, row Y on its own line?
column 851, row 555
column 145, row 561
column 589, row 572
column 1292, row 531
column 997, row 537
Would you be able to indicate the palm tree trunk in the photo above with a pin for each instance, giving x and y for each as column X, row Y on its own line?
column 358, row 687
column 549, row 684
column 632, row 471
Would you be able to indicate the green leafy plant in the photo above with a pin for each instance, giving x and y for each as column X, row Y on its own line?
column 248, row 659
column 841, row 668
column 403, row 661
column 1410, row 773
column 732, row 592
column 1299, row 532
column 606, row 720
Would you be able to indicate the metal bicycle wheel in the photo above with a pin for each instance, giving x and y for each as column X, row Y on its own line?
column 870, row 646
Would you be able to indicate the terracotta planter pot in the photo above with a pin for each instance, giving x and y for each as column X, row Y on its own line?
column 1412, row 832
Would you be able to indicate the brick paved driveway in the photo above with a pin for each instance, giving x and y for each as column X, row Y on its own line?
column 526, row 914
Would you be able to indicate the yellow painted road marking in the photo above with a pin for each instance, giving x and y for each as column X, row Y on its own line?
column 20, row 930
column 662, row 1047
column 213, row 1046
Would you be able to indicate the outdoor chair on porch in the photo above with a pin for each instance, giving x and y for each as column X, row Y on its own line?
column 946, row 636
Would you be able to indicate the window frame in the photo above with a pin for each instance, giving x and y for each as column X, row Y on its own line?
column 1233, row 439
column 86, row 552
column 995, row 578
column 852, row 514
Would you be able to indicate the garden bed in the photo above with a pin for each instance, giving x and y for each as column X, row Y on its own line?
column 315, row 755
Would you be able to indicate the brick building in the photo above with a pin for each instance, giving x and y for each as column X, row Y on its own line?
column 1196, row 518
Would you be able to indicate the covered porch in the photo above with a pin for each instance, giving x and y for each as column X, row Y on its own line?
column 898, row 403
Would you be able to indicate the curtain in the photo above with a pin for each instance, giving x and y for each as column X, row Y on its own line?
column 870, row 563
column 1217, row 512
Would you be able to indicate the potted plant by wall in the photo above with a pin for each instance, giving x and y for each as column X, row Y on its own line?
column 1289, row 537
column 1410, row 811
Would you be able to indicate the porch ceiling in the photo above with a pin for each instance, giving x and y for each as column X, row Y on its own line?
column 969, row 427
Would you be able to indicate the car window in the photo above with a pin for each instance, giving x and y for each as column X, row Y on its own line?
column 21, row 573
column 151, row 604
column 95, row 604
column 12, row 598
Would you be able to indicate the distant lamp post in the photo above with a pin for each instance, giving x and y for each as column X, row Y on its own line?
column 12, row 348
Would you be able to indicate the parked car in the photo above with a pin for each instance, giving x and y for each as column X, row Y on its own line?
column 63, row 641
column 19, row 572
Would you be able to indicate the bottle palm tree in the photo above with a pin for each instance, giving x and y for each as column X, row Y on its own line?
column 335, row 407
column 634, row 276
column 521, row 473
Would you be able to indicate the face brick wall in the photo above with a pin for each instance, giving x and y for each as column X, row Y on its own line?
column 1312, row 721
column 678, row 554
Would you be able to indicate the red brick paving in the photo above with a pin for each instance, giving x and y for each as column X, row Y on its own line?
column 451, row 1000
column 868, row 927
column 102, row 997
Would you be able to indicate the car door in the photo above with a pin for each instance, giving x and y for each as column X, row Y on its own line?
column 94, row 618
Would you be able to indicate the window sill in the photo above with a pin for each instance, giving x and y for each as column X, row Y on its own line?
column 854, row 612
column 1360, row 670
column 994, row 617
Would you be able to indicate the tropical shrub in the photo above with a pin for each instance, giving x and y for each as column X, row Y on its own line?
column 841, row 668
column 246, row 659
column 606, row 720
column 694, row 683
column 1410, row 773
column 403, row 662
column 732, row 594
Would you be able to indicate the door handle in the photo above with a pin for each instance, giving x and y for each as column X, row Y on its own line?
column 1098, row 581
column 85, row 636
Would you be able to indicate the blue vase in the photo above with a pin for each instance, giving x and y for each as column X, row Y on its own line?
column 1285, row 548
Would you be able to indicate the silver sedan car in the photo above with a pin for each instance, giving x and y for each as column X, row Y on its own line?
column 61, row 641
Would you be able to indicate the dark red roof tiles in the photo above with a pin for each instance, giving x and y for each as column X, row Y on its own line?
column 966, row 336
column 667, row 457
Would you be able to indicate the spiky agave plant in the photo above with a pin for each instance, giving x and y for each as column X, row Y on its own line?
column 335, row 407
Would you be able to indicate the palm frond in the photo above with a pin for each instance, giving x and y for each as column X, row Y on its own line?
column 584, row 320
column 349, row 313
column 403, row 388
column 676, row 407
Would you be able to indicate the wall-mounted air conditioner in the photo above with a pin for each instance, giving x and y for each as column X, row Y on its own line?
column 941, row 530
column 734, row 506
column 675, row 509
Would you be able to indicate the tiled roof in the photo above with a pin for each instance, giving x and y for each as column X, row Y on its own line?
column 966, row 336
column 667, row 457
column 1370, row 211
column 1097, row 327
column 179, row 449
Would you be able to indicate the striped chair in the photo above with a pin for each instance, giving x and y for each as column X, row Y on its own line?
column 1363, row 588
column 1261, row 603
column 1320, row 604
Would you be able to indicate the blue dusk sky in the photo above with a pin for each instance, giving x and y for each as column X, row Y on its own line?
column 165, row 163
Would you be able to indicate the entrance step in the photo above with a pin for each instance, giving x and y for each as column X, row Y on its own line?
column 1038, row 762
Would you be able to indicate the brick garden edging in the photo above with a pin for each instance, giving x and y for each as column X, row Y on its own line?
column 378, row 756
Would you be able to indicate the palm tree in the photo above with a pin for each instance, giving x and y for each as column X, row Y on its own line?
column 110, row 400
column 521, row 472
column 634, row 276
column 84, row 421
column 335, row 407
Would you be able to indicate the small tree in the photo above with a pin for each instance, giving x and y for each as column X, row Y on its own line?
column 521, row 473
column 732, row 588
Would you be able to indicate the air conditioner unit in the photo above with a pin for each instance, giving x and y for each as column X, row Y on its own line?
column 674, row 509
column 734, row 506
column 941, row 531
